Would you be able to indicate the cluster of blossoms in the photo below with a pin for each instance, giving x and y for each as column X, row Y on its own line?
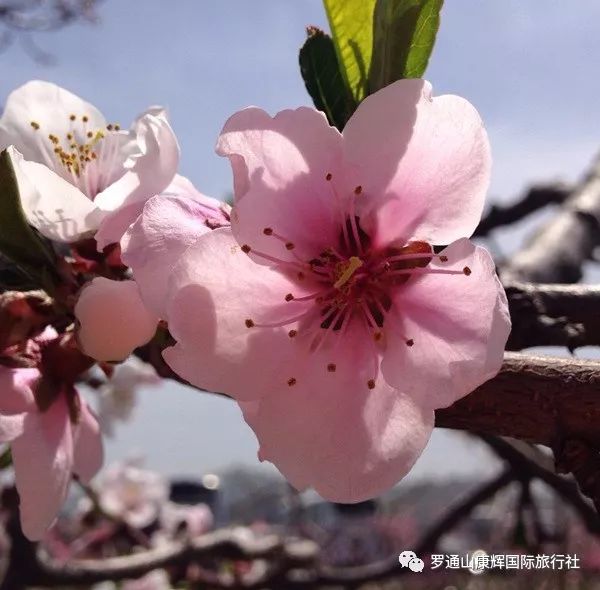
column 339, row 301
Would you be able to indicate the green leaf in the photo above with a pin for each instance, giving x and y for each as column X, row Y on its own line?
column 403, row 39
column 19, row 242
column 351, row 23
column 320, row 70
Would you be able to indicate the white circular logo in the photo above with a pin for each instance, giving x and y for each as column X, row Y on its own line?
column 477, row 562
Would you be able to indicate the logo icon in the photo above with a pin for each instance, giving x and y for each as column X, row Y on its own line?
column 410, row 560
column 479, row 559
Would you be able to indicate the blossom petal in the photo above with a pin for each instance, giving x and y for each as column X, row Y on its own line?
column 458, row 324
column 423, row 163
column 209, row 318
column 276, row 150
column 50, row 108
column 16, row 394
column 58, row 209
column 298, row 223
column 151, row 172
column 349, row 443
column 113, row 319
column 88, row 451
column 167, row 227
column 11, row 427
column 43, row 459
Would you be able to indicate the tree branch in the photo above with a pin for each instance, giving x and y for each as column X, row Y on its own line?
column 541, row 400
column 566, row 488
column 553, row 315
column 557, row 251
column 537, row 197
column 223, row 544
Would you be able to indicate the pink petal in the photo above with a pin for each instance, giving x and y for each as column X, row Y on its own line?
column 115, row 223
column 298, row 222
column 16, row 395
column 113, row 319
column 216, row 213
column 349, row 442
column 275, row 151
column 459, row 325
column 215, row 288
column 43, row 458
column 88, row 452
column 167, row 227
column 423, row 163
column 11, row 427
column 151, row 173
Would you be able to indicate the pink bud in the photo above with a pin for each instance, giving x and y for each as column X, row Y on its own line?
column 113, row 319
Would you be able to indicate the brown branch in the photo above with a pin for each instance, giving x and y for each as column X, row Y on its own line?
column 557, row 251
column 553, row 315
column 537, row 197
column 537, row 399
column 223, row 544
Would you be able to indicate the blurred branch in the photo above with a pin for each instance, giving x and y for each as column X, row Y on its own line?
column 553, row 315
column 537, row 197
column 224, row 544
column 566, row 488
column 20, row 18
column 556, row 253
column 455, row 515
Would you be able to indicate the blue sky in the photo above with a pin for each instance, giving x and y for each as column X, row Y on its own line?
column 530, row 67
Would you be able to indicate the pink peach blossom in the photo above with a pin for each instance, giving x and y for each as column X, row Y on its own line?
column 195, row 520
column 77, row 172
column 129, row 492
column 48, row 445
column 118, row 397
column 114, row 316
column 325, row 310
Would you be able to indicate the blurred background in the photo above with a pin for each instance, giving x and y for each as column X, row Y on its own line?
column 530, row 68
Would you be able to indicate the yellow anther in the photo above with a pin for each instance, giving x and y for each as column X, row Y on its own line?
column 351, row 266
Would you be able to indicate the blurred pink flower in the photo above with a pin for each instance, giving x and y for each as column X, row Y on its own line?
column 78, row 173
column 133, row 494
column 154, row 580
column 324, row 309
column 196, row 520
column 117, row 399
column 52, row 434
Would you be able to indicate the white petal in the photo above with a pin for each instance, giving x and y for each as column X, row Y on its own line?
column 152, row 169
column 151, row 172
column 58, row 209
column 50, row 107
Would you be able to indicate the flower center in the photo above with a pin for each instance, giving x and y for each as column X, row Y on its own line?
column 345, row 270
column 352, row 281
column 84, row 156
